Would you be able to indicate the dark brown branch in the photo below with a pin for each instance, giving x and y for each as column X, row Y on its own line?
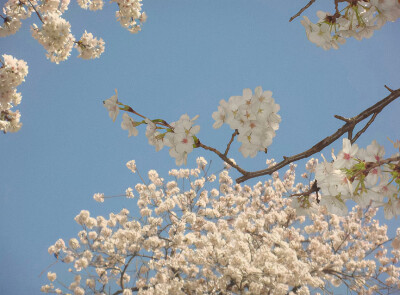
column 230, row 142
column 391, row 90
column 222, row 156
column 342, row 118
column 302, row 10
column 314, row 189
column 375, row 109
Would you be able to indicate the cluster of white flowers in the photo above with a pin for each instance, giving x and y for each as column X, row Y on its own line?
column 359, row 20
column 91, row 4
column 55, row 36
column 129, row 14
column 254, row 116
column 181, row 141
column 55, row 32
column 356, row 174
column 12, row 74
column 89, row 47
column 232, row 240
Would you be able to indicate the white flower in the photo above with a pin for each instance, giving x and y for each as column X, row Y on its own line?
column 129, row 124
column 181, row 140
column 345, row 158
column 89, row 47
column 112, row 106
column 51, row 276
column 131, row 165
column 154, row 137
column 98, row 197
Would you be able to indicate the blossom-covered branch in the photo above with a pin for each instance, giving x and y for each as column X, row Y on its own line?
column 348, row 127
column 359, row 19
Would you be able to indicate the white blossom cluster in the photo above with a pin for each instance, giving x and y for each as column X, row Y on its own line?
column 130, row 15
column 254, row 116
column 359, row 20
column 12, row 74
column 89, row 47
column 348, row 177
column 54, row 33
column 179, row 136
column 91, row 4
column 181, row 141
column 230, row 239
column 55, row 36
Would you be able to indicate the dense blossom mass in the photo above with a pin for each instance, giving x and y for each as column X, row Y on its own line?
column 54, row 31
column 231, row 239
column 361, row 175
column 359, row 19
column 12, row 74
column 254, row 116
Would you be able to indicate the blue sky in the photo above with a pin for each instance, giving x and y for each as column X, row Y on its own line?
column 189, row 56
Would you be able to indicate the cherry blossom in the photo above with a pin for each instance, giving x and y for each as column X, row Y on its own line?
column 111, row 105
column 12, row 74
column 235, row 239
column 359, row 19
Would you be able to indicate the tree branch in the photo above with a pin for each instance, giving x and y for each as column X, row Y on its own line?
column 222, row 156
column 302, row 10
column 352, row 122
column 230, row 142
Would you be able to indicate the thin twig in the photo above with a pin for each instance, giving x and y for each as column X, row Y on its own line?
column 391, row 90
column 342, row 118
column 222, row 156
column 375, row 109
column 353, row 140
column 38, row 14
column 301, row 10
column 230, row 142
column 314, row 189
column 121, row 281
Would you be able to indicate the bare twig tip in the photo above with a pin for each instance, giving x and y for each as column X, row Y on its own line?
column 390, row 90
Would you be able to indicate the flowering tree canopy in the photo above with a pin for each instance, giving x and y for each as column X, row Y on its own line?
column 205, row 233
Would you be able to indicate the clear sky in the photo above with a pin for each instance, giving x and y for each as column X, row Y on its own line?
column 189, row 55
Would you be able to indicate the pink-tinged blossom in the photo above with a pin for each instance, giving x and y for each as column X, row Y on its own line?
column 346, row 157
column 181, row 140
column 254, row 116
